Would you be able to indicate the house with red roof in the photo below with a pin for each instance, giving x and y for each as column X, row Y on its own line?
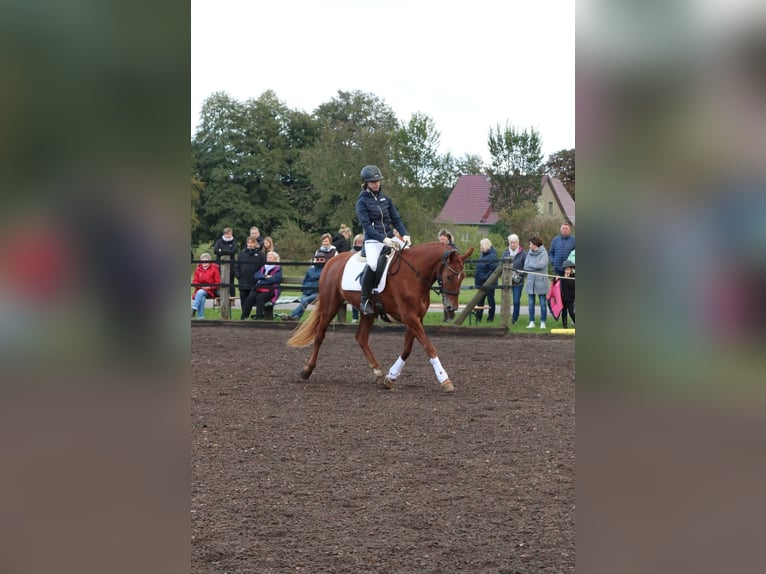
column 468, row 203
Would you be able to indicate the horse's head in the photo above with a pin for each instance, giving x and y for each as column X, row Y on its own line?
column 451, row 275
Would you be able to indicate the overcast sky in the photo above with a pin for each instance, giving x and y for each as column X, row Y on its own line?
column 469, row 66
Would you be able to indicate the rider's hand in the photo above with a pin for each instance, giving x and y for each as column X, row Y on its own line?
column 407, row 240
column 388, row 242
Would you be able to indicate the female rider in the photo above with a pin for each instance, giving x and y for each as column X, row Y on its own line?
column 379, row 217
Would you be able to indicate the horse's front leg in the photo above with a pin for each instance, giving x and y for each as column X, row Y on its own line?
column 441, row 375
column 396, row 368
column 362, row 339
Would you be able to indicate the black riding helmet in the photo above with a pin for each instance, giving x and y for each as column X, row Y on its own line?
column 371, row 173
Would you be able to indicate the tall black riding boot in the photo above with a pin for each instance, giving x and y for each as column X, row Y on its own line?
column 368, row 282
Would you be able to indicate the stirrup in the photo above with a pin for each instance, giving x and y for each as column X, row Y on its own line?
column 366, row 307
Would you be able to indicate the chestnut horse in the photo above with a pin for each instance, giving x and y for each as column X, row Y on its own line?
column 405, row 298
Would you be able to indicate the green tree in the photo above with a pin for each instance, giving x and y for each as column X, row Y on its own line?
column 516, row 167
column 562, row 166
column 421, row 171
column 196, row 190
column 356, row 129
column 247, row 155
column 526, row 221
column 469, row 165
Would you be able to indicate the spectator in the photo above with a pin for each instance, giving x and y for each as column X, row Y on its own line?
column 255, row 232
column 358, row 242
column 445, row 238
column 537, row 281
column 572, row 257
column 341, row 241
column 310, row 291
column 226, row 245
column 325, row 251
column 206, row 280
column 568, row 293
column 485, row 266
column 267, row 280
column 268, row 245
column 250, row 260
column 561, row 246
column 517, row 255
column 357, row 247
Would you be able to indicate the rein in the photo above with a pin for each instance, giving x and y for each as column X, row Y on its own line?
column 438, row 290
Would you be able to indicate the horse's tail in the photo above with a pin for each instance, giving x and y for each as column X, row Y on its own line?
column 305, row 334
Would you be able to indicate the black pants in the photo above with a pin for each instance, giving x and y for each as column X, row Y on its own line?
column 568, row 308
column 261, row 297
column 244, row 295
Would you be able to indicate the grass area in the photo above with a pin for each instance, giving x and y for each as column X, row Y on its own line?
column 437, row 318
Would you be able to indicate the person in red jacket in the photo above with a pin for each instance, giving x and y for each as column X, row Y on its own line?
column 206, row 280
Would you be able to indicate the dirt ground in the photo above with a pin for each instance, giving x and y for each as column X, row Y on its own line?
column 337, row 474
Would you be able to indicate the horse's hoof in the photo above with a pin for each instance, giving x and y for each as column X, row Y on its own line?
column 378, row 376
column 305, row 374
column 447, row 386
column 388, row 383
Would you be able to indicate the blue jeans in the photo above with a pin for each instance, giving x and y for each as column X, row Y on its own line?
column 516, row 290
column 543, row 308
column 199, row 303
column 306, row 300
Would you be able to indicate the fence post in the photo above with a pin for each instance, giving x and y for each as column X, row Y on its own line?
column 479, row 293
column 223, row 292
column 506, row 299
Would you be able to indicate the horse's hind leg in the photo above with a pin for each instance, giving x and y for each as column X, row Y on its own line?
column 396, row 368
column 321, row 331
column 362, row 339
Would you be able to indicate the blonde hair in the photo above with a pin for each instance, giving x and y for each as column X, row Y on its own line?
column 485, row 243
column 274, row 254
column 358, row 236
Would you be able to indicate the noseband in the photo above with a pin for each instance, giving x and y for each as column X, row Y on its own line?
column 441, row 290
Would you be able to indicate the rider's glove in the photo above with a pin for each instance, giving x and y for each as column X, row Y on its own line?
column 407, row 240
column 388, row 242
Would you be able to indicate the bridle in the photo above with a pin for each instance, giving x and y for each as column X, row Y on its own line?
column 440, row 290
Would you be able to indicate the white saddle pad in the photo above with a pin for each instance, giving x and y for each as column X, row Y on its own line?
column 352, row 273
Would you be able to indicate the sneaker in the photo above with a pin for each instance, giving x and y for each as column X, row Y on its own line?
column 542, row 325
column 531, row 325
column 354, row 321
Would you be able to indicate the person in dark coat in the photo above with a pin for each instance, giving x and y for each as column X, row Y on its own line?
column 250, row 260
column 310, row 292
column 561, row 246
column 486, row 265
column 342, row 241
column 568, row 293
column 379, row 218
column 516, row 253
column 227, row 245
